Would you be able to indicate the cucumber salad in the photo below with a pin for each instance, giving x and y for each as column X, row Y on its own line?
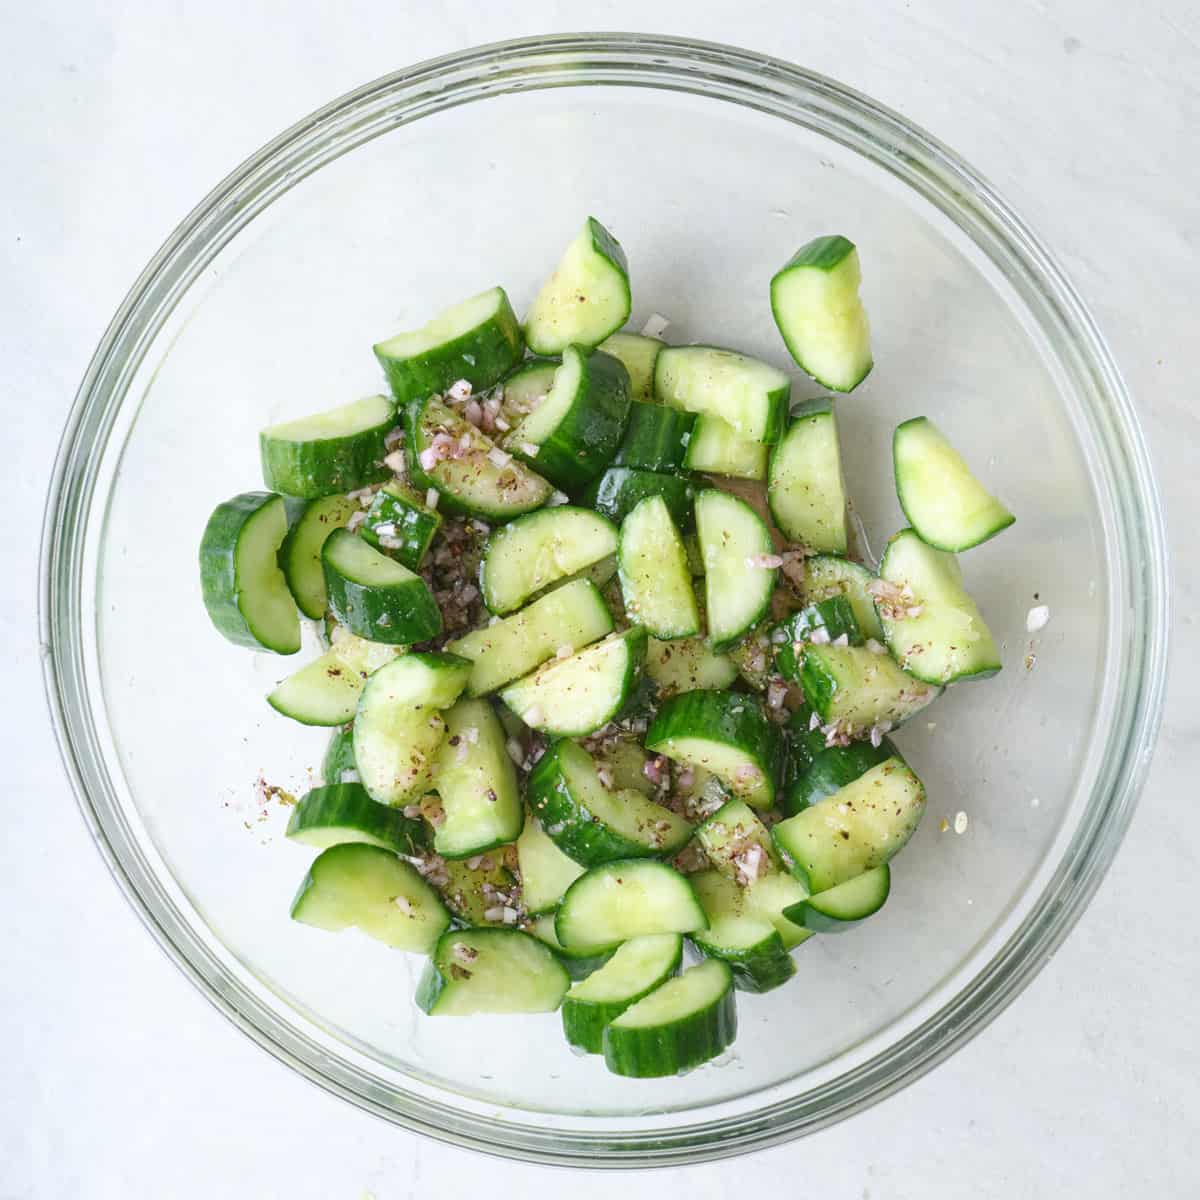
column 610, row 691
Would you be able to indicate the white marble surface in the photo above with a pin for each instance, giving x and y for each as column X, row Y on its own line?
column 118, row 1079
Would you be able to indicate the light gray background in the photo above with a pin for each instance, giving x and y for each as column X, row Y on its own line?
column 118, row 1080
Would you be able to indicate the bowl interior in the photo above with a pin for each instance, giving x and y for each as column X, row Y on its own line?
column 708, row 197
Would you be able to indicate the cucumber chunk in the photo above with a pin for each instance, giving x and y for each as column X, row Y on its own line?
column 525, row 389
column 475, row 971
column 842, row 907
column 947, row 506
column 814, row 297
column 804, row 485
column 749, row 395
column 657, row 437
column 541, row 549
column 859, row 827
column 572, row 435
column 398, row 728
column 736, row 546
column 343, row 812
column 621, row 489
column 575, row 696
column 727, row 733
column 244, row 591
column 338, row 765
column 571, row 616
column 470, row 473
column 737, row 843
column 683, row 1023
column 639, row 353
column 826, row 576
column 687, row 665
column 655, row 581
column 399, row 525
column 326, row 691
column 579, row 964
column 638, row 967
column 748, row 942
column 374, row 596
column 616, row 901
column 594, row 823
column 857, row 689
column 330, row 452
column 546, row 872
column 930, row 624
column 715, row 447
column 356, row 885
column 587, row 297
column 478, row 340
column 477, row 783
column 480, row 891
column 816, row 770
column 827, row 621
column 310, row 522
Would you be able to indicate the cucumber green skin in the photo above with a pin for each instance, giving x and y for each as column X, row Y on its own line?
column 620, row 489
column 326, row 466
column 655, row 1051
column 835, row 615
column 711, row 715
column 823, row 253
column 300, row 557
column 578, row 964
column 496, row 347
column 760, row 968
column 399, row 615
column 777, row 401
column 578, row 833
column 416, row 525
column 219, row 584
column 339, row 756
column 655, row 438
column 816, row 770
column 584, row 1021
column 347, row 806
column 588, row 435
column 807, row 913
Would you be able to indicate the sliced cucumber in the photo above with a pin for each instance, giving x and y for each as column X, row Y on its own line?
column 861, row 826
column 826, row 576
column 310, row 522
column 771, row 896
column 727, row 733
column 244, row 590
column 343, row 812
column 639, row 354
column 399, row 728
column 591, row 823
column 748, row 395
column 814, row 297
column 338, row 765
column 330, row 452
column 572, row 435
column 656, row 438
column 737, row 843
column 842, row 907
column 356, row 885
column 638, row 967
column 541, row 549
column 475, row 971
column 947, row 506
column 740, row 937
column 326, row 691
column 481, row 891
column 374, row 596
column 624, row 761
column 856, row 689
column 655, row 581
column 716, row 448
column 478, row 340
column 816, row 770
column 687, row 666
column 826, row 621
column 570, row 617
column 400, row 525
column 476, row 476
column 683, row 1023
column 621, row 489
column 579, row 964
column 477, row 783
column 621, row 900
column 526, row 388
column 804, row 486
column 575, row 696
column 586, row 299
column 736, row 545
column 936, row 631
column 546, row 872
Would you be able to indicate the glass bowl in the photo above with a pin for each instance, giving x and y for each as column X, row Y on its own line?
column 711, row 164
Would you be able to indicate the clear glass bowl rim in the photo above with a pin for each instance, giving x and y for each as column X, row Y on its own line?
column 780, row 89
